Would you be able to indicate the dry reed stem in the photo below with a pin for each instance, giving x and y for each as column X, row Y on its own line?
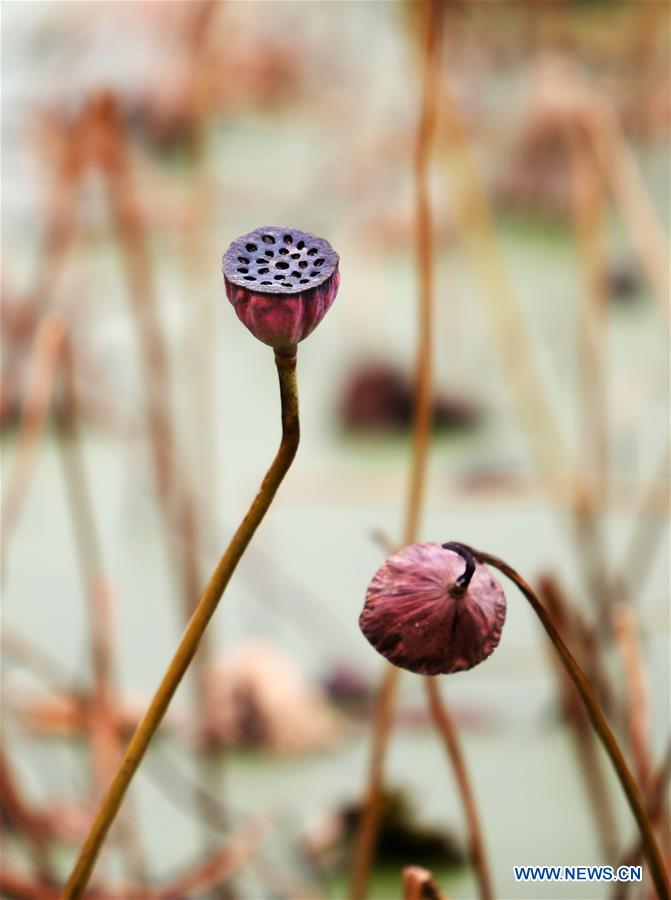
column 450, row 735
column 657, row 808
column 419, row 884
column 589, row 222
column 507, row 328
column 209, row 600
column 638, row 690
column 649, row 530
column 200, row 330
column 34, row 411
column 583, row 736
column 631, row 196
column 103, row 730
column 364, row 847
column 61, row 231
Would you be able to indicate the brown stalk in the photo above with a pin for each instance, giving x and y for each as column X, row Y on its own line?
column 68, row 164
column 649, row 529
column 205, row 608
column 448, row 731
column 34, row 411
column 200, row 330
column 583, row 737
column 621, row 173
column 638, row 692
column 589, row 221
column 364, row 846
column 507, row 328
column 657, row 808
column 650, row 847
column 419, row 884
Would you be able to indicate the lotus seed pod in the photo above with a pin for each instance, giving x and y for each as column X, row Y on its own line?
column 433, row 610
column 281, row 283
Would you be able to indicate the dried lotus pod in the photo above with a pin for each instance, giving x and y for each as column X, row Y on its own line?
column 433, row 609
column 281, row 283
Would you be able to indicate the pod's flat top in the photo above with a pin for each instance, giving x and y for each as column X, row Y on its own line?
column 279, row 260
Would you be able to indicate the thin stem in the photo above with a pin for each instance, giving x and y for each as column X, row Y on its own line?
column 584, row 738
column 624, row 178
column 384, row 708
column 597, row 718
column 44, row 357
column 589, row 220
column 656, row 802
column 637, row 690
column 448, row 731
column 286, row 368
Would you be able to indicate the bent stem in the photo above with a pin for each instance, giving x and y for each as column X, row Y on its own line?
column 109, row 806
column 598, row 720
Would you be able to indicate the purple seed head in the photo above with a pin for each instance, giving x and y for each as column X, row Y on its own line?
column 281, row 282
column 433, row 610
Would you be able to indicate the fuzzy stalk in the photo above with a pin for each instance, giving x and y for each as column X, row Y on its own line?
column 207, row 604
column 650, row 847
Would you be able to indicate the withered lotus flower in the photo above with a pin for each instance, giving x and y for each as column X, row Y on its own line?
column 433, row 609
column 281, row 283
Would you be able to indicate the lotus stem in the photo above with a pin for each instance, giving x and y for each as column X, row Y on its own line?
column 285, row 361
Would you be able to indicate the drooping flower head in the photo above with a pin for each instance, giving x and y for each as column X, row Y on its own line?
column 281, row 283
column 433, row 609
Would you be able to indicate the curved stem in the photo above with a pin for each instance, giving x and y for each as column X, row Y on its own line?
column 109, row 806
column 598, row 720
